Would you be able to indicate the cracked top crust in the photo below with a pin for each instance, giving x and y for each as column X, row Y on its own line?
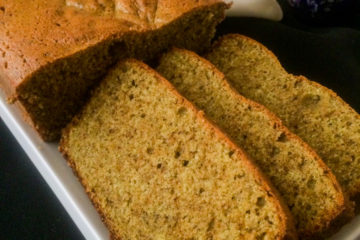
column 34, row 33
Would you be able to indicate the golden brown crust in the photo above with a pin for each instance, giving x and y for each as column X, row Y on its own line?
column 287, row 231
column 39, row 32
column 276, row 121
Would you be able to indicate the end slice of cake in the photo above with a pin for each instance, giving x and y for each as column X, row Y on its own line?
column 305, row 182
column 156, row 168
column 313, row 112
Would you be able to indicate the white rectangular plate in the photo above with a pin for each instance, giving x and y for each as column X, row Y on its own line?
column 67, row 188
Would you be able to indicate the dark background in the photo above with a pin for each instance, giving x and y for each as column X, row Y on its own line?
column 325, row 52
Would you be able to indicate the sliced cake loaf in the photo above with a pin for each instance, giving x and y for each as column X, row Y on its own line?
column 155, row 168
column 315, row 113
column 307, row 185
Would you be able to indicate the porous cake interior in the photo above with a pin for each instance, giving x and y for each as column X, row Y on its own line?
column 308, row 187
column 156, row 170
column 311, row 111
column 53, row 94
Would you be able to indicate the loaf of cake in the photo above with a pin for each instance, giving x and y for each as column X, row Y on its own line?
column 304, row 181
column 156, row 168
column 313, row 112
column 53, row 52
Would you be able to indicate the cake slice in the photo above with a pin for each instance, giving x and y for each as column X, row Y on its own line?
column 305, row 182
column 313, row 112
column 156, row 168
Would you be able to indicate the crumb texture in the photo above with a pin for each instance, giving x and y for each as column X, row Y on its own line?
column 308, row 187
column 313, row 112
column 157, row 169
